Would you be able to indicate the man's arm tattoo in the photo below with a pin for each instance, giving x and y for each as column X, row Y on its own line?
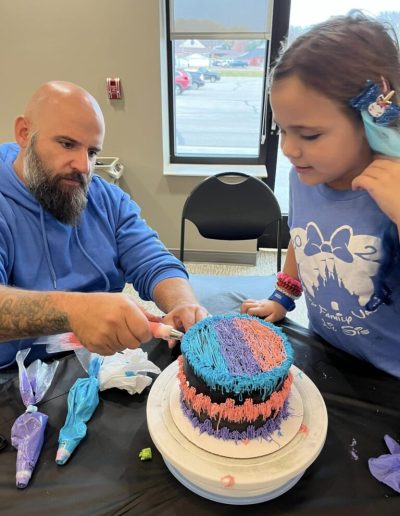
column 27, row 316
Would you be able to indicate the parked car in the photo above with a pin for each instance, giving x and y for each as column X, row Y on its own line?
column 182, row 81
column 197, row 79
column 237, row 63
column 218, row 62
column 209, row 75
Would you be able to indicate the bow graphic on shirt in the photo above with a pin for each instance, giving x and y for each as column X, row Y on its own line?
column 336, row 259
column 337, row 245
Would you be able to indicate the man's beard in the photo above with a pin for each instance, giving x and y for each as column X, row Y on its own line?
column 66, row 205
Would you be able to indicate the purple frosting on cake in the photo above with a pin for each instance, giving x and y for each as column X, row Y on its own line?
column 235, row 350
column 265, row 432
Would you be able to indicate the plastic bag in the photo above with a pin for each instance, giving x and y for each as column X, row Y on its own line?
column 127, row 371
column 124, row 370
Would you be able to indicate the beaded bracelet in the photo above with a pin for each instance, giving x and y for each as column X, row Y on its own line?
column 287, row 290
column 289, row 285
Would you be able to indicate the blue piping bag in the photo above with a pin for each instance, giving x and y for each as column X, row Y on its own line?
column 27, row 432
column 83, row 399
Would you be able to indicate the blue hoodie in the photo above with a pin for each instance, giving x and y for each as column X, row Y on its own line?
column 111, row 246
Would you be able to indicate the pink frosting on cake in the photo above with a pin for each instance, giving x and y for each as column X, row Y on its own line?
column 248, row 411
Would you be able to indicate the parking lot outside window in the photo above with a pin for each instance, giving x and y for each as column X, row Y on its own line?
column 218, row 54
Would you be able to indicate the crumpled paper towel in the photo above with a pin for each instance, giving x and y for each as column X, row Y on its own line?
column 126, row 371
column 386, row 468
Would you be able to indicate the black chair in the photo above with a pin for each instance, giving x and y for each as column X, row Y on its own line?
column 232, row 206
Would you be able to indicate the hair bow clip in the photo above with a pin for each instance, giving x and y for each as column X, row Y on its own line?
column 378, row 108
column 378, row 105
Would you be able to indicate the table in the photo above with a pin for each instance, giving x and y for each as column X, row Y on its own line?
column 106, row 477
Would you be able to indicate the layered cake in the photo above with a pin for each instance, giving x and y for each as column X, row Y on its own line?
column 234, row 377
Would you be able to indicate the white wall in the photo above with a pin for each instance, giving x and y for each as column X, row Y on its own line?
column 86, row 41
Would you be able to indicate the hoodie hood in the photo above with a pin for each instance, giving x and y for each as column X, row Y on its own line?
column 10, row 184
column 14, row 189
column 8, row 149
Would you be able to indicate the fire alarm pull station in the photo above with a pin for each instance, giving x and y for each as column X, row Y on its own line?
column 114, row 88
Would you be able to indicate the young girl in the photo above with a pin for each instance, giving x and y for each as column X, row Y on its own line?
column 335, row 94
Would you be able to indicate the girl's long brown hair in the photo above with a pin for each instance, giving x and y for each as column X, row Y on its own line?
column 338, row 56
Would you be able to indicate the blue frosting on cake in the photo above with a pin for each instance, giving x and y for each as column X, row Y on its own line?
column 218, row 352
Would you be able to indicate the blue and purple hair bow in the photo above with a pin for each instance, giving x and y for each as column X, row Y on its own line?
column 378, row 105
column 378, row 113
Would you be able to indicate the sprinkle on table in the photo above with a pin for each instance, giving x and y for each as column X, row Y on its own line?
column 145, row 454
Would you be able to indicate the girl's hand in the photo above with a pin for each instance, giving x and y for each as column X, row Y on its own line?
column 269, row 310
column 381, row 179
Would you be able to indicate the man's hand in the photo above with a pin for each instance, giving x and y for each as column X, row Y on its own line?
column 182, row 317
column 106, row 323
column 268, row 310
column 176, row 298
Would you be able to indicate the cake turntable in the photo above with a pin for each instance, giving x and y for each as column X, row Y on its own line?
column 237, row 472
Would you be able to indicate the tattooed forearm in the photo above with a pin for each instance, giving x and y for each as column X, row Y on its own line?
column 28, row 315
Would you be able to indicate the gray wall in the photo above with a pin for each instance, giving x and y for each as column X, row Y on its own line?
column 86, row 41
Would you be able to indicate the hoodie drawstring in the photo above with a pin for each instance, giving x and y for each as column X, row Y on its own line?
column 107, row 281
column 46, row 249
column 50, row 263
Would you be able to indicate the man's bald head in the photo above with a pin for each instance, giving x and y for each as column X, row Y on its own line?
column 56, row 112
column 54, row 95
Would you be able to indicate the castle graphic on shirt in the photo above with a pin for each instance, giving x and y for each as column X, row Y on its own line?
column 351, row 261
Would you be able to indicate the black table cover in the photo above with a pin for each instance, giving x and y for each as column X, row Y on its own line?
column 106, row 477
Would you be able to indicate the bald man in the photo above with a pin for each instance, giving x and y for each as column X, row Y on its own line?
column 69, row 241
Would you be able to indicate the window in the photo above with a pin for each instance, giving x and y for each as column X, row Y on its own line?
column 218, row 54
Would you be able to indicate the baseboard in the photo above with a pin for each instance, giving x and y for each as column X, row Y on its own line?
column 245, row 258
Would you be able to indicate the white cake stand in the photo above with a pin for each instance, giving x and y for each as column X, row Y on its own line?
column 238, row 449
column 235, row 480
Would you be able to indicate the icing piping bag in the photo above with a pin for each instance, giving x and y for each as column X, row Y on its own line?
column 69, row 342
column 83, row 399
column 27, row 432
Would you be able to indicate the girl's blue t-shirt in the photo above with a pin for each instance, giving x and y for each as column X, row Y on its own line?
column 337, row 238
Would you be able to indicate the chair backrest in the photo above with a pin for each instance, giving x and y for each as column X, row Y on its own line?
column 232, row 206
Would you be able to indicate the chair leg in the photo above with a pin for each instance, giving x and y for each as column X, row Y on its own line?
column 182, row 244
column 279, row 246
column 279, row 259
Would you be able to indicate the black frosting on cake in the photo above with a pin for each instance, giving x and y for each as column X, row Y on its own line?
column 241, row 426
column 219, row 395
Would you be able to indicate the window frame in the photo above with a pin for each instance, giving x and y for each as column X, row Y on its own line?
column 268, row 149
